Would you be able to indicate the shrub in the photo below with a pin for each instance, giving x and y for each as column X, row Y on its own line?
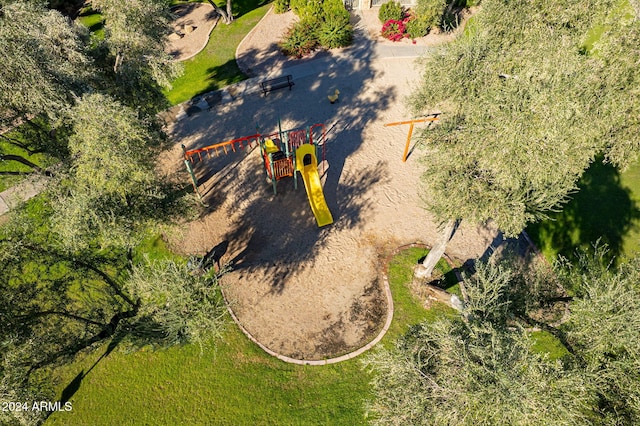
column 417, row 27
column 390, row 10
column 429, row 13
column 281, row 6
column 333, row 10
column 334, row 34
column 297, row 5
column 395, row 30
column 300, row 40
column 307, row 9
column 322, row 23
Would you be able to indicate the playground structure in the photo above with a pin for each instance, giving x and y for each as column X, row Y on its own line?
column 430, row 119
column 196, row 155
column 283, row 154
column 307, row 165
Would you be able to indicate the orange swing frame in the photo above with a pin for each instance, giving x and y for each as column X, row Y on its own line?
column 411, row 123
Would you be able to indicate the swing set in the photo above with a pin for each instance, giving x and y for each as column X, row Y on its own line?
column 430, row 119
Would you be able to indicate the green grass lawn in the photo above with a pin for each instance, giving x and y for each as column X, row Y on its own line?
column 233, row 383
column 215, row 66
column 12, row 172
column 92, row 20
column 236, row 383
column 606, row 208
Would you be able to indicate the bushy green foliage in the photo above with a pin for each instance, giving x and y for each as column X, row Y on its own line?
column 178, row 306
column 427, row 14
column 307, row 9
column 280, row 6
column 333, row 10
column 297, row 5
column 101, row 206
column 323, row 23
column 300, row 40
column 417, row 27
column 486, row 367
column 390, row 10
column 335, row 31
column 332, row 35
column 507, row 83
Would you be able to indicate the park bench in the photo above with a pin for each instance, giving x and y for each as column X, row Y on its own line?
column 277, row 83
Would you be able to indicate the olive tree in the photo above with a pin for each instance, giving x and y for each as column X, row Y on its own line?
column 476, row 368
column 110, row 192
column 58, row 304
column 603, row 330
column 45, row 65
column 527, row 108
column 135, row 37
column 178, row 305
column 481, row 366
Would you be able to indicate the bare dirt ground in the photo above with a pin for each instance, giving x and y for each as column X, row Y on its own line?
column 306, row 292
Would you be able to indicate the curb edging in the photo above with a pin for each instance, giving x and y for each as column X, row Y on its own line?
column 350, row 355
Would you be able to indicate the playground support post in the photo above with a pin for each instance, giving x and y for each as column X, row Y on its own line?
column 411, row 123
column 194, row 179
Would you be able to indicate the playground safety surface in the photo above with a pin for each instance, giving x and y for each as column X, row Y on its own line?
column 305, row 292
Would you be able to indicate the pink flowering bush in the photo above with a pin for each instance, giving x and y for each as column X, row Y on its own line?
column 395, row 30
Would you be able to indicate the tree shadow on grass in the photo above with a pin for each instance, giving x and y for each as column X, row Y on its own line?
column 70, row 390
column 242, row 7
column 222, row 75
column 602, row 210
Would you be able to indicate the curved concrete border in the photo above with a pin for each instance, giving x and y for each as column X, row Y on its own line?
column 350, row 355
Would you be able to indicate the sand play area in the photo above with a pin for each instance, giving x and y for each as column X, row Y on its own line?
column 305, row 292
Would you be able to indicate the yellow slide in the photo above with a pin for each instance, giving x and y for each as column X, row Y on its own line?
column 307, row 165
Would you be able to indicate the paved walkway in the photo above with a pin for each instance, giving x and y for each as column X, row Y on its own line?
column 25, row 190
column 363, row 50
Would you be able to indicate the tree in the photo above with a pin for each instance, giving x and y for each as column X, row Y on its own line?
column 227, row 15
column 115, row 206
column 133, row 49
column 604, row 330
column 179, row 305
column 50, row 63
column 481, row 367
column 45, row 66
column 57, row 304
column 527, row 109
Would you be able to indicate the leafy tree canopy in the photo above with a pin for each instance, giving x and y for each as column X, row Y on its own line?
column 44, row 62
column 527, row 108
column 116, row 205
column 481, row 367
